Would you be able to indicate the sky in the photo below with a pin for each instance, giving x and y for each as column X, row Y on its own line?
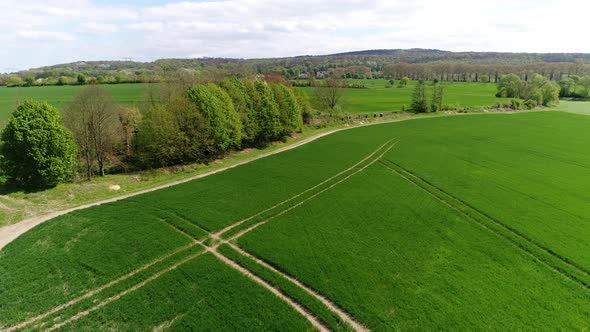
column 45, row 32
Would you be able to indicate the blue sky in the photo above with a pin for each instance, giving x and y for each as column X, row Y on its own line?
column 44, row 32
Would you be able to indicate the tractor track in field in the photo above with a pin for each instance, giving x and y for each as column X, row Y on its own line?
column 123, row 293
column 501, row 232
column 242, row 232
column 220, row 233
column 213, row 249
column 95, row 291
column 344, row 316
column 11, row 232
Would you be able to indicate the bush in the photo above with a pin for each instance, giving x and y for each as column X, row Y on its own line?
column 516, row 104
column 37, row 151
column 530, row 104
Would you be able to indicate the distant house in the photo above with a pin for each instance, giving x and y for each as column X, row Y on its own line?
column 321, row 74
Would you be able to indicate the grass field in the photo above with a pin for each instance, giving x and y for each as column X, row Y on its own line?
column 474, row 222
column 379, row 98
column 60, row 96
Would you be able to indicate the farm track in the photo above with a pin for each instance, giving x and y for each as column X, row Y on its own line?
column 213, row 249
column 539, row 253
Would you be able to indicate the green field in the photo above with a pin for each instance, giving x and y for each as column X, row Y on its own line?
column 473, row 222
column 59, row 96
column 379, row 98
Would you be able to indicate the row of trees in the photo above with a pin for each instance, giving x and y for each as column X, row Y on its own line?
column 182, row 123
column 446, row 71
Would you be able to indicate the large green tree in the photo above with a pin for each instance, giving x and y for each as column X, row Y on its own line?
column 36, row 150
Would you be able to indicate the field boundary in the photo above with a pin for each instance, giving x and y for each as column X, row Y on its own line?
column 539, row 253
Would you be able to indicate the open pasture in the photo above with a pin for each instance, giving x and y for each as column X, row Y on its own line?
column 465, row 222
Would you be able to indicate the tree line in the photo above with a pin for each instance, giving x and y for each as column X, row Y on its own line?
column 181, row 123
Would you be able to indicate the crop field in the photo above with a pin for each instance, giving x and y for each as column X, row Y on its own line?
column 472, row 222
column 377, row 97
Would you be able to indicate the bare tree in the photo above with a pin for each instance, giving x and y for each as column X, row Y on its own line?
column 329, row 93
column 92, row 118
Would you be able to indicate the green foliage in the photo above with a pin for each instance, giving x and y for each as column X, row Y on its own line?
column 304, row 105
column 244, row 106
column 546, row 92
column 14, row 81
column 170, row 134
column 233, row 123
column 404, row 81
column 419, row 101
column 36, row 150
column 510, row 86
column 267, row 113
column 214, row 111
column 82, row 79
column 63, row 80
column 291, row 120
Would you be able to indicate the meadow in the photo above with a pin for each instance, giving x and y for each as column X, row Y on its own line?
column 464, row 222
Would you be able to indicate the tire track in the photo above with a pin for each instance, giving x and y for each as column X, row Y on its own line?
column 220, row 233
column 344, row 316
column 123, row 293
column 242, row 232
column 536, row 256
column 95, row 291
column 294, row 304
column 216, row 253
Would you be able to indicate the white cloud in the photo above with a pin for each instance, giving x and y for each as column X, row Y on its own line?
column 269, row 28
column 45, row 35
column 95, row 27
